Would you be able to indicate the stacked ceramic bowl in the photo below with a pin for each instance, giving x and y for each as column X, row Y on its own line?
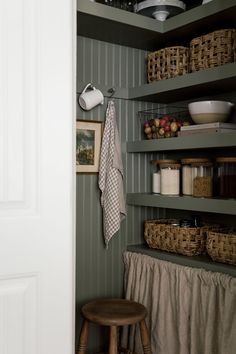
column 210, row 111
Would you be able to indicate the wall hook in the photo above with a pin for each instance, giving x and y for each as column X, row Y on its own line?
column 111, row 91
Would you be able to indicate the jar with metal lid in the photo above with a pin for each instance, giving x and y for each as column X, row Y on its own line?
column 226, row 177
column 187, row 179
column 202, row 174
column 170, row 177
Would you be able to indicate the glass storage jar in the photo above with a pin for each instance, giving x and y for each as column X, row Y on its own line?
column 187, row 179
column 226, row 177
column 156, row 176
column 170, row 178
column 202, row 174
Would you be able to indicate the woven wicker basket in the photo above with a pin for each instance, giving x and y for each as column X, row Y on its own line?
column 167, row 63
column 213, row 49
column 163, row 235
column 222, row 246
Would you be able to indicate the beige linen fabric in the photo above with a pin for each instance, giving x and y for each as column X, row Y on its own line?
column 110, row 178
column 190, row 310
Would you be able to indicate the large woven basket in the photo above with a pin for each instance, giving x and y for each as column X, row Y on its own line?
column 213, row 49
column 163, row 235
column 167, row 63
column 221, row 246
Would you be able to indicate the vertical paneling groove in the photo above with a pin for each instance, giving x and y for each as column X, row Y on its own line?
column 100, row 271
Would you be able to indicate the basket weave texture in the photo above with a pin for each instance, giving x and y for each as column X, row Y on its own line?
column 162, row 235
column 167, row 63
column 213, row 49
column 221, row 246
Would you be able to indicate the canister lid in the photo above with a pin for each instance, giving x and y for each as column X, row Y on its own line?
column 229, row 159
column 191, row 160
column 158, row 162
column 204, row 164
column 172, row 165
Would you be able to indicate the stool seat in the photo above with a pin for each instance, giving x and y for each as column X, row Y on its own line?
column 114, row 312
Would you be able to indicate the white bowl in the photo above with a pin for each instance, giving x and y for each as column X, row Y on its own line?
column 209, row 111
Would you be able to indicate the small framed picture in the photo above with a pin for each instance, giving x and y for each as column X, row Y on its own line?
column 88, row 145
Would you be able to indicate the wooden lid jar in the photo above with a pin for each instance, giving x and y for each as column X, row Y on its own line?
column 226, row 177
column 202, row 174
column 187, row 179
column 156, row 176
column 170, row 177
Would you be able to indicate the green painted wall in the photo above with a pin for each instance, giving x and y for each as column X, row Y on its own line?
column 99, row 272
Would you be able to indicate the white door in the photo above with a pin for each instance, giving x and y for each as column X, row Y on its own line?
column 37, row 88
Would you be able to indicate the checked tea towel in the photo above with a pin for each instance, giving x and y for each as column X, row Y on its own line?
column 110, row 178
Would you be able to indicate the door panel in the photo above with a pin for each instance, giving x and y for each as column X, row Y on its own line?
column 37, row 91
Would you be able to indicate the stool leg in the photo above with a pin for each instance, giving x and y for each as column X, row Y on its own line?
column 145, row 337
column 113, row 340
column 83, row 339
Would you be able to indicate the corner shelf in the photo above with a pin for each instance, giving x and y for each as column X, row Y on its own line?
column 201, row 261
column 198, row 141
column 110, row 24
column 210, row 205
column 210, row 81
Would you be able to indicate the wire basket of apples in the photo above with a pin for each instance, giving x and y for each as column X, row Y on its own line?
column 163, row 127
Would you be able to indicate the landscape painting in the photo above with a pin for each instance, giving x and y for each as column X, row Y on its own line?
column 88, row 145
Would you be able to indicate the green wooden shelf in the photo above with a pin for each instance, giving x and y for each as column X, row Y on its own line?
column 198, row 141
column 110, row 24
column 210, row 205
column 201, row 261
column 205, row 82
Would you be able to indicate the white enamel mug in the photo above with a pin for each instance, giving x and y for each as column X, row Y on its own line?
column 90, row 99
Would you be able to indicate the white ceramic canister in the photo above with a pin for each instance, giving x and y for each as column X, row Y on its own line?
column 170, row 178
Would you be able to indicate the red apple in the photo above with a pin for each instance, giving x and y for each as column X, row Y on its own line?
column 167, row 118
column 162, row 122
column 146, row 124
column 167, row 127
column 151, row 122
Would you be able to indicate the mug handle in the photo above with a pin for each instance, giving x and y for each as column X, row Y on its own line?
column 87, row 87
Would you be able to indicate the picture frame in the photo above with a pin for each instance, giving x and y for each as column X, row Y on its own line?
column 88, row 146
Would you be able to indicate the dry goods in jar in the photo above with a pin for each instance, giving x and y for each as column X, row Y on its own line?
column 226, row 177
column 170, row 178
column 187, row 176
column 202, row 173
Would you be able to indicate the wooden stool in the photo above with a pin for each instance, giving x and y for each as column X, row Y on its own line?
column 114, row 313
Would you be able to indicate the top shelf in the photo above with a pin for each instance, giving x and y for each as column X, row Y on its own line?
column 113, row 25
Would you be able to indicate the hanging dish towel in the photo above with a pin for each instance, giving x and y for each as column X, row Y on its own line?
column 111, row 176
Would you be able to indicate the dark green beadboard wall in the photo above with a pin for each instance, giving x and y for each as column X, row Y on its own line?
column 99, row 272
